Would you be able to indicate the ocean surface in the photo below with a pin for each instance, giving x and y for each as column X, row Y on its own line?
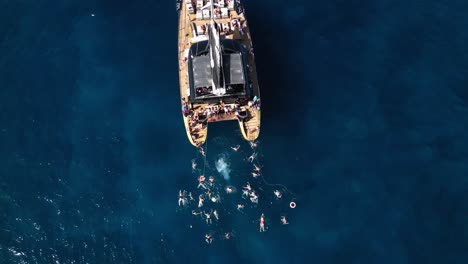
column 364, row 120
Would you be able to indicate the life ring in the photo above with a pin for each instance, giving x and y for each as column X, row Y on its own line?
column 292, row 205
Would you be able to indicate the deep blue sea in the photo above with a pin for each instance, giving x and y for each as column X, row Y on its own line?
column 364, row 119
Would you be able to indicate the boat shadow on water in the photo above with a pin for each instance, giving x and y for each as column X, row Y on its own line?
column 279, row 58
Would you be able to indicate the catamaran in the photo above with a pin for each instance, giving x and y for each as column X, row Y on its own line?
column 217, row 73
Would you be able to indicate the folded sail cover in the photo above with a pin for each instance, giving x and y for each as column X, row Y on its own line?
column 232, row 68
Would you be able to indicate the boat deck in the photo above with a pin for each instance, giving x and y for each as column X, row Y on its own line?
column 193, row 28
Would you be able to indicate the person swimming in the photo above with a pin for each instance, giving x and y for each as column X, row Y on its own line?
column 283, row 220
column 201, row 182
column 277, row 194
column 182, row 200
column 200, row 201
column 194, row 165
column 255, row 175
column 236, row 148
column 262, row 223
column 252, row 157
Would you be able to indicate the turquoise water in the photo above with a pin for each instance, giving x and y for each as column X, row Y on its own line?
column 365, row 116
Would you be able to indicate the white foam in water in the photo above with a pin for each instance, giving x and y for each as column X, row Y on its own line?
column 222, row 166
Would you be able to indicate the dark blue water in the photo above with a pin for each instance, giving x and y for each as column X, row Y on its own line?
column 365, row 119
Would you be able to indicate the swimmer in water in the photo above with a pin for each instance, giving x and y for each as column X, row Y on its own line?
column 283, row 220
column 194, row 212
column 194, row 165
column 200, row 201
column 255, row 175
column 236, row 148
column 201, row 182
column 215, row 199
column 253, row 197
column 227, row 235
column 256, row 168
column 240, row 207
column 252, row 157
column 208, row 217
column 253, row 144
column 245, row 193
column 248, row 187
column 190, row 196
column 202, row 151
column 262, row 223
column 208, row 238
column 211, row 179
column 229, row 190
column 182, row 200
column 277, row 194
column 215, row 213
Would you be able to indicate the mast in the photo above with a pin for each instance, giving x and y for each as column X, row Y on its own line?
column 215, row 55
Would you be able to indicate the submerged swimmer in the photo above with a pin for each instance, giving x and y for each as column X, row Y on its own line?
column 190, row 196
column 262, row 223
column 277, row 194
column 182, row 200
column 215, row 213
column 240, row 207
column 283, row 220
column 194, row 165
column 202, row 151
column 236, row 148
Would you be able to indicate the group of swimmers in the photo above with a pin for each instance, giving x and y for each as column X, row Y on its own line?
column 211, row 192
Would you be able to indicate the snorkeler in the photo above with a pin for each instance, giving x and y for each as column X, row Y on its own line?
column 236, row 148
column 283, row 220
column 252, row 157
column 262, row 223
column 182, row 199
column 277, row 194
column 200, row 201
